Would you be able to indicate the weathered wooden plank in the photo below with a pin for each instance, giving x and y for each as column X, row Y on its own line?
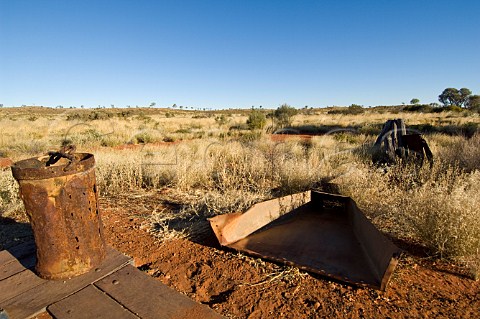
column 89, row 302
column 150, row 299
column 31, row 301
column 17, row 252
column 23, row 249
column 16, row 266
column 5, row 257
column 18, row 284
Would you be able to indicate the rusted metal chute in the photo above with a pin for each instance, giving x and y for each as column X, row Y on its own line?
column 60, row 196
column 318, row 232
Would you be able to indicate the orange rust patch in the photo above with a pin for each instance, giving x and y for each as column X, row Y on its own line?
column 284, row 137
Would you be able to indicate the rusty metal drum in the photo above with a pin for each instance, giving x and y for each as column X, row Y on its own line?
column 61, row 201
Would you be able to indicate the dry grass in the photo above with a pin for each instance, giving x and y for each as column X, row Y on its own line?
column 219, row 171
column 438, row 207
column 380, row 117
column 10, row 204
column 211, row 165
column 31, row 131
column 461, row 153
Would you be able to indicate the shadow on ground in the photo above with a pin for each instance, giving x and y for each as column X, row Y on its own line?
column 13, row 233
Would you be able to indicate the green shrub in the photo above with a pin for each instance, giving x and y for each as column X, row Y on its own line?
column 169, row 139
column 144, row 118
column 99, row 115
column 221, row 120
column 256, row 120
column 143, row 138
column 74, row 116
column 125, row 114
column 239, row 127
column 89, row 116
column 469, row 129
column 353, row 109
column 452, row 108
column 183, row 131
column 250, row 137
column 199, row 135
column 284, row 115
column 421, row 108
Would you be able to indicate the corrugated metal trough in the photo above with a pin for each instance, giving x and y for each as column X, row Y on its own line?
column 322, row 233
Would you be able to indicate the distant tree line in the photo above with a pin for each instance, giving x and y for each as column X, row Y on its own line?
column 451, row 99
column 461, row 98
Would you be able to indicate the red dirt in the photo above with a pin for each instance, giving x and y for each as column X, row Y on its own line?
column 5, row 163
column 43, row 315
column 238, row 286
column 284, row 137
column 242, row 287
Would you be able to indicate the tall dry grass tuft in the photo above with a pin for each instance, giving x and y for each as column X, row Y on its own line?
column 464, row 153
column 191, row 220
column 438, row 208
column 11, row 205
column 258, row 167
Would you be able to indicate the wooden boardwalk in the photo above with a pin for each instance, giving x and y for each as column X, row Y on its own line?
column 115, row 289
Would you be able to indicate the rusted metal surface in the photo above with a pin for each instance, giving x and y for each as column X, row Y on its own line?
column 326, row 234
column 230, row 228
column 60, row 197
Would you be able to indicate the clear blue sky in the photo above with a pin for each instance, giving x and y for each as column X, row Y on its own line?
column 227, row 53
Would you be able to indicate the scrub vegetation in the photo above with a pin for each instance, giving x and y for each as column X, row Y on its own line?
column 223, row 161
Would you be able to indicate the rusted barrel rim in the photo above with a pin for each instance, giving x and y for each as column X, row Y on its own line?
column 35, row 168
